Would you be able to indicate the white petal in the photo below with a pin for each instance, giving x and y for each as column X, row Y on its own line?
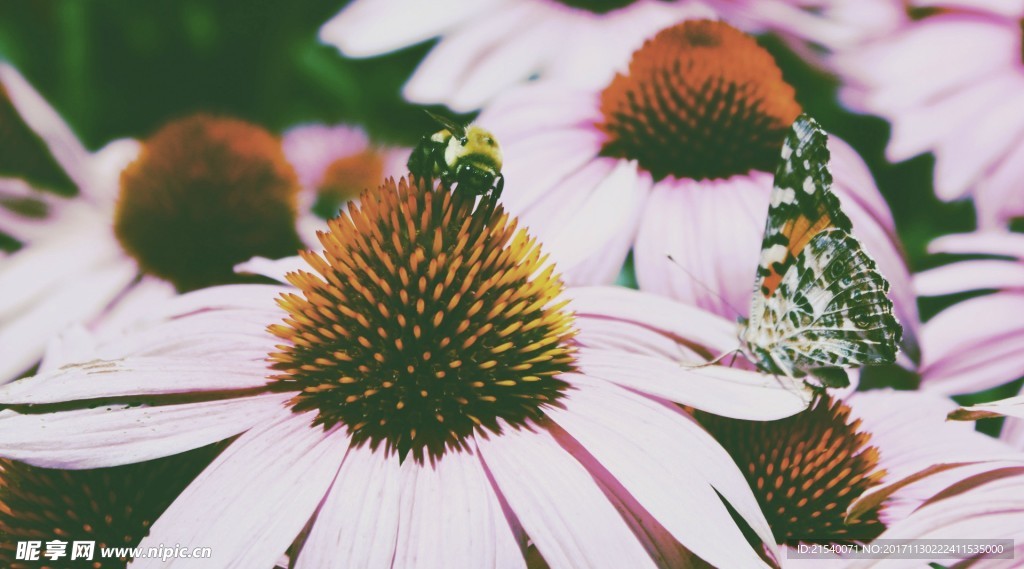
column 113, row 435
column 716, row 389
column 23, row 339
column 666, row 316
column 372, row 27
column 974, row 345
column 561, row 507
column 670, row 465
column 969, row 275
column 982, row 242
column 1009, row 407
column 138, row 376
column 255, row 498
column 47, row 124
column 273, row 268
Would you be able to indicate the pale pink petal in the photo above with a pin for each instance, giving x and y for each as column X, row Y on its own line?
column 983, row 46
column 133, row 377
column 919, row 129
column 272, row 268
column 729, row 392
column 35, row 270
column 665, row 316
column 712, row 231
column 442, row 515
column 226, row 336
column 673, row 468
column 74, row 344
column 911, row 433
column 961, row 160
column 252, row 501
column 130, row 307
column 372, row 27
column 540, row 107
column 559, row 504
column 23, row 338
column 998, row 198
column 112, row 435
column 251, row 297
column 974, row 345
column 47, row 124
column 105, row 167
column 591, row 245
column 982, row 242
column 465, row 69
column 547, row 162
column 854, row 183
column 969, row 275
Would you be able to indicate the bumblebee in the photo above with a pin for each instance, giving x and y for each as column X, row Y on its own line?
column 467, row 156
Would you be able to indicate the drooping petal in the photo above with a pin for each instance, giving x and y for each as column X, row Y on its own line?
column 974, row 345
column 665, row 316
column 672, row 466
column 724, row 391
column 969, row 275
column 114, row 434
column 133, row 377
column 381, row 513
column 254, row 499
column 559, row 504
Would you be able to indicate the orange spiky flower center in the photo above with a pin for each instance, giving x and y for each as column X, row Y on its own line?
column 425, row 319
column 110, row 507
column 700, row 100
column 805, row 471
column 205, row 194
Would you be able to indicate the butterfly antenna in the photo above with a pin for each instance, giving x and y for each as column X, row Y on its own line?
column 705, row 287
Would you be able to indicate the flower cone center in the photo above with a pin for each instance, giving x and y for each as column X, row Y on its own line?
column 426, row 319
column 24, row 155
column 700, row 100
column 805, row 471
column 205, row 194
column 113, row 507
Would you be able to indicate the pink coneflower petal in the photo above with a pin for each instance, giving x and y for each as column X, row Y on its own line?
column 559, row 157
column 311, row 149
column 982, row 242
column 591, row 245
column 113, row 435
column 152, row 376
column 705, row 248
column 665, row 316
column 276, row 269
column 47, row 124
column 541, row 107
column 975, row 344
column 895, row 420
column 257, row 495
column 988, row 505
column 521, row 38
column 366, row 29
column 23, row 338
column 716, row 389
column 958, row 161
column 374, row 496
column 610, row 423
column 982, row 47
column 969, row 275
column 560, row 505
column 918, row 129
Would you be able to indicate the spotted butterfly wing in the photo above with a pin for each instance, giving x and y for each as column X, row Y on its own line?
column 819, row 303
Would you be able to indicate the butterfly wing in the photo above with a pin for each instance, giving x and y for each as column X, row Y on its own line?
column 819, row 301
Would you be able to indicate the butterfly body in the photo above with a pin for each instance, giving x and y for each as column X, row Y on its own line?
column 819, row 303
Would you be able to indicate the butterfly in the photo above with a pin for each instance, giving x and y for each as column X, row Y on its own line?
column 819, row 303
